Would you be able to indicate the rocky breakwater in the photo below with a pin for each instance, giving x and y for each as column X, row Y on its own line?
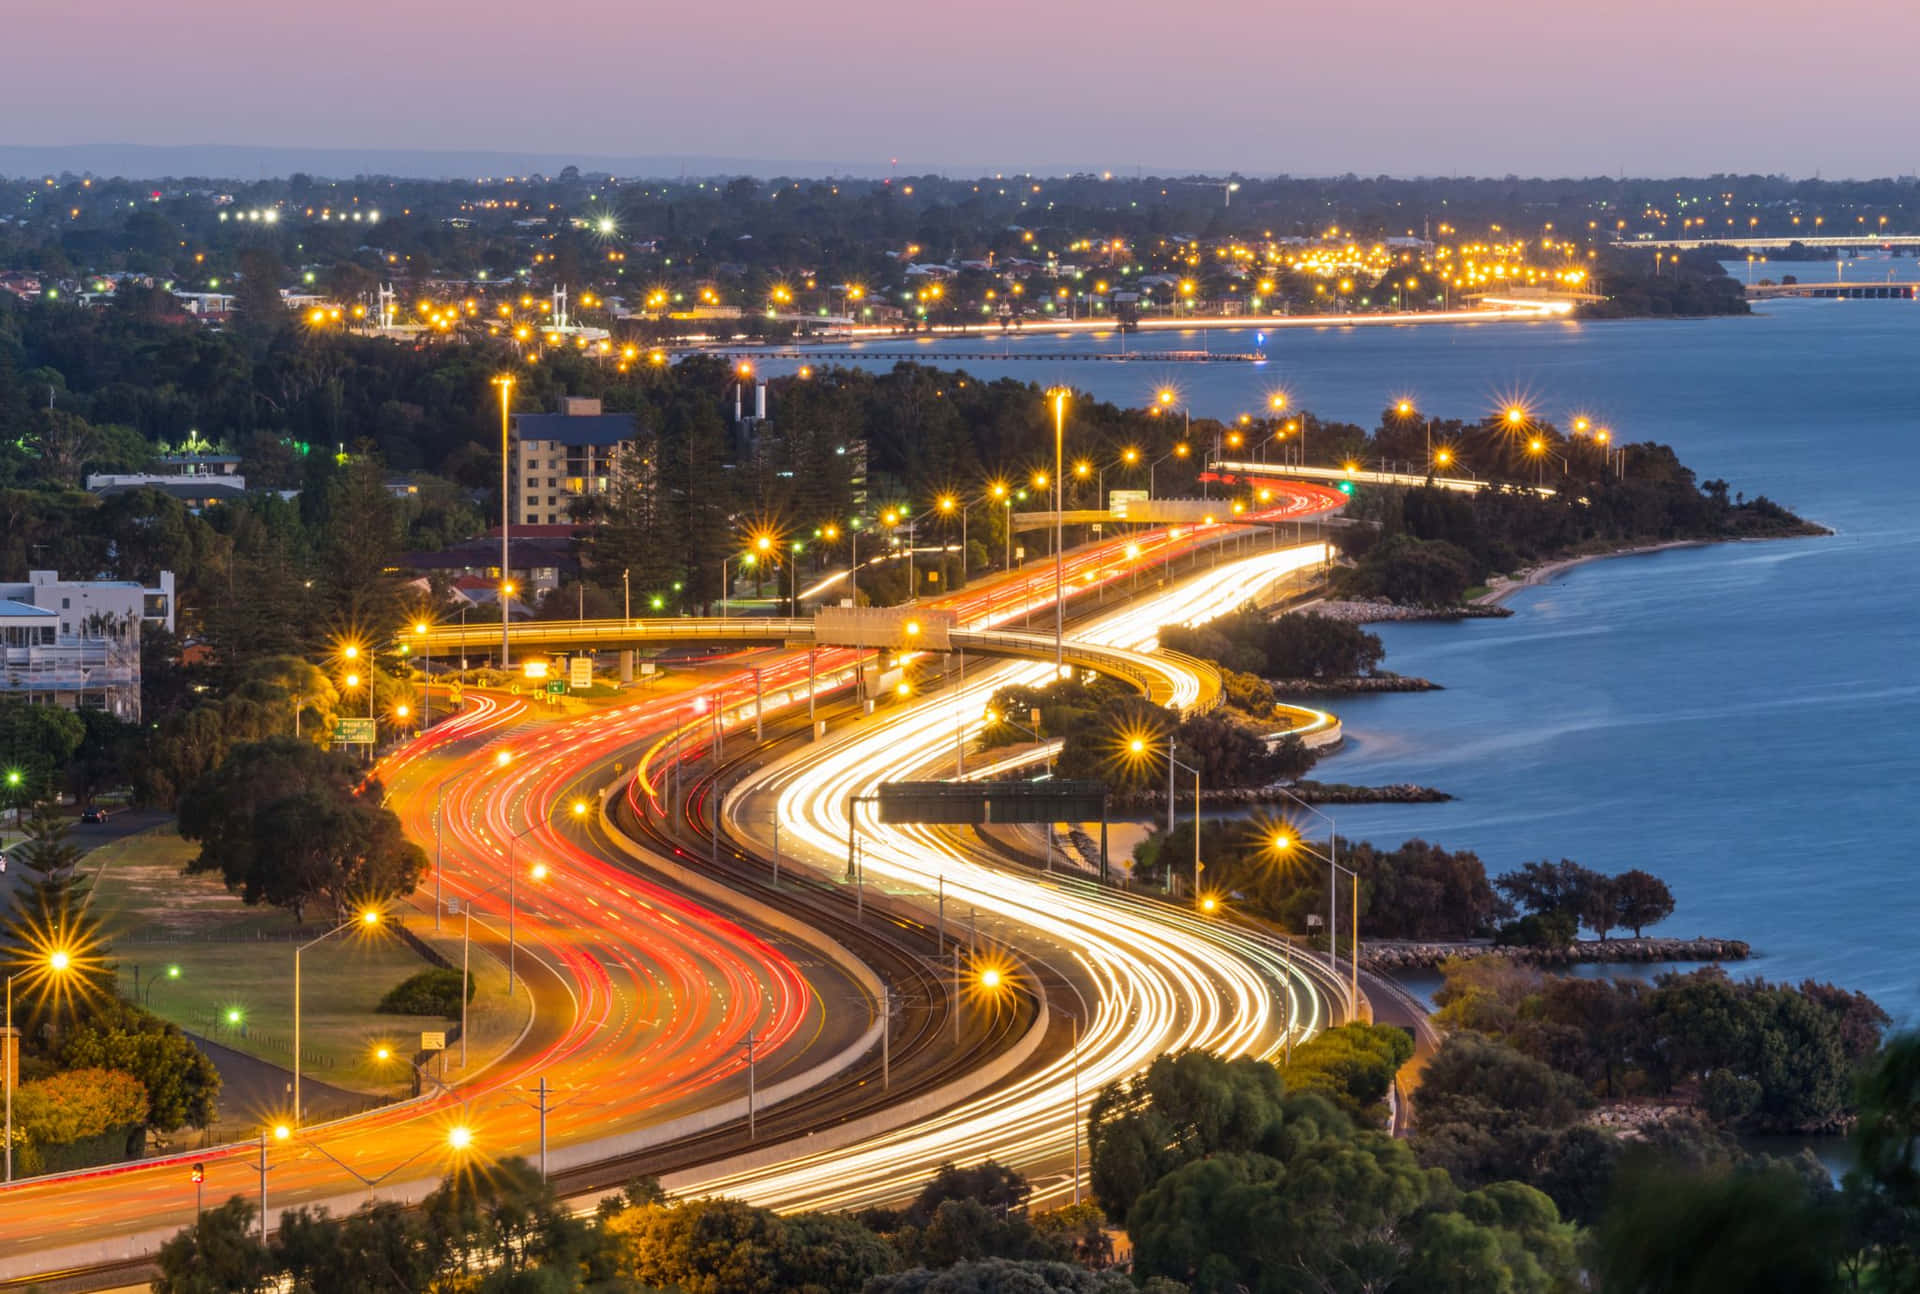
column 1426, row 955
column 1311, row 792
column 1358, row 686
column 1362, row 611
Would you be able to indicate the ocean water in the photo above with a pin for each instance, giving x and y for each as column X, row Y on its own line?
column 1743, row 720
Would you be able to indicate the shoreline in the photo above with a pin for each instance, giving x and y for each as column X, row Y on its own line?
column 1503, row 587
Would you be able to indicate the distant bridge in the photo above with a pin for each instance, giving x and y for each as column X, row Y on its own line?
column 1853, row 291
column 1881, row 242
column 810, row 355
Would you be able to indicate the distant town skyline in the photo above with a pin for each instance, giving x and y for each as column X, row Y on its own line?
column 856, row 87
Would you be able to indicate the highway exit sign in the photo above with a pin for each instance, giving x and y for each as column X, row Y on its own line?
column 352, row 732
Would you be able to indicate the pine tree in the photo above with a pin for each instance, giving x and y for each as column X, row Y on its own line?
column 48, row 913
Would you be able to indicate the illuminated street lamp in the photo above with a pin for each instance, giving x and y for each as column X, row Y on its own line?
column 1059, row 578
column 56, row 962
column 365, row 919
column 505, row 383
column 1180, row 450
column 1138, row 747
column 1283, row 842
column 426, row 675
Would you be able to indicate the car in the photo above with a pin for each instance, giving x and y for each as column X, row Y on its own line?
column 93, row 813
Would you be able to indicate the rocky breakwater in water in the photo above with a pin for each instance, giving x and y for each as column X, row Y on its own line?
column 1358, row 686
column 1363, row 611
column 1424, row 955
column 1311, row 792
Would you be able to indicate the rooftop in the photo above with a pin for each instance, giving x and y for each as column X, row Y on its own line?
column 590, row 429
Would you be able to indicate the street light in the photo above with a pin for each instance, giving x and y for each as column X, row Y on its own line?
column 426, row 674
column 366, row 919
column 1059, row 578
column 1180, row 450
column 1283, row 842
column 538, row 872
column 57, row 962
column 505, row 383
column 1138, row 747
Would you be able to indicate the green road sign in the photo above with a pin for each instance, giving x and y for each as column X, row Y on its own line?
column 557, row 686
column 349, row 732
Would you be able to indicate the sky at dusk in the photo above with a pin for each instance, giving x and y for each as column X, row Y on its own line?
column 1259, row 86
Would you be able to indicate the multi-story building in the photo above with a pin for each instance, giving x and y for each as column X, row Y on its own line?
column 76, row 643
column 558, row 458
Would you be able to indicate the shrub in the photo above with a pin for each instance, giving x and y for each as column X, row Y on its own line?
column 431, row 992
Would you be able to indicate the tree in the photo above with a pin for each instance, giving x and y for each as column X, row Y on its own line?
column 373, row 1248
column 506, row 1219
column 284, row 822
column 1549, row 887
column 36, row 741
column 722, row 1246
column 1184, row 1107
column 1002, row 1276
column 992, row 1185
column 180, row 1081
column 218, row 1254
column 1352, row 1066
column 47, row 914
column 1640, row 900
column 1760, row 1231
column 1600, row 906
column 76, row 1118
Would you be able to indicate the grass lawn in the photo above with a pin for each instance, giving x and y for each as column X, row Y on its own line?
column 235, row 980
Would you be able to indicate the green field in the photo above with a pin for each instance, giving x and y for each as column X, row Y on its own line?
column 235, row 971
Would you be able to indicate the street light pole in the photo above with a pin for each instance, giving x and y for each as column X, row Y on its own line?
column 1059, row 579
column 505, row 384
column 370, row 917
column 57, row 962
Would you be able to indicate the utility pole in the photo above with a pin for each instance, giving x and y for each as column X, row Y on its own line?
column 752, row 1131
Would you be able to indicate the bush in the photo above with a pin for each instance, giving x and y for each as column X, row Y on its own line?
column 1538, row 930
column 431, row 992
column 77, row 1119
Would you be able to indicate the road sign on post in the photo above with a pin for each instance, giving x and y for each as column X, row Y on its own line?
column 1058, row 800
column 353, row 732
column 557, row 686
column 580, row 673
column 433, row 1041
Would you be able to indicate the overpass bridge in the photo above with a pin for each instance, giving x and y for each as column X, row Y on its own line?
column 1227, row 470
column 1165, row 678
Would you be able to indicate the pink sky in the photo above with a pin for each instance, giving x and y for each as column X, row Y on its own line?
column 1501, row 86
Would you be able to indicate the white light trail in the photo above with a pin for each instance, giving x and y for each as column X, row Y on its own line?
column 1163, row 979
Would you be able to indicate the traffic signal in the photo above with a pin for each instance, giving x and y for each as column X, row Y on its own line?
column 1346, row 487
column 199, row 1174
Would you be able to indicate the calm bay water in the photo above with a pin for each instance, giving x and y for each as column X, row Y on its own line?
column 1743, row 720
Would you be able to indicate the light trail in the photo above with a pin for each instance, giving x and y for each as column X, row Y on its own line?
column 1162, row 979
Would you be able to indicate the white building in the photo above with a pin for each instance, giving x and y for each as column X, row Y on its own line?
column 76, row 643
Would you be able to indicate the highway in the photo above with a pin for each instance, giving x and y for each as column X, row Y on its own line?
column 1147, row 977
column 645, row 998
